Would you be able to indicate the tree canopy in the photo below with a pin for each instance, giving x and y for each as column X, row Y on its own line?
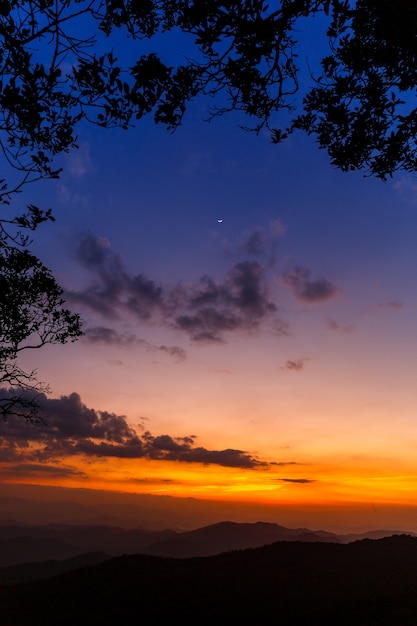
column 31, row 316
column 58, row 66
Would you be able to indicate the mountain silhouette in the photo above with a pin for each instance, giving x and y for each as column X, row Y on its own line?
column 25, row 572
column 225, row 536
column 364, row 583
column 21, row 544
column 28, row 544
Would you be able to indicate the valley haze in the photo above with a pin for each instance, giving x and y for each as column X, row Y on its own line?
column 38, row 504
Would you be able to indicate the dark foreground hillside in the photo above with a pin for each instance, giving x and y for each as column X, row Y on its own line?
column 369, row 582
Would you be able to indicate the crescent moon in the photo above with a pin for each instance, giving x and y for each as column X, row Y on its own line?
column 220, row 221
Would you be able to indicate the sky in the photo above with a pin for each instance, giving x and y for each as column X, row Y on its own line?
column 249, row 315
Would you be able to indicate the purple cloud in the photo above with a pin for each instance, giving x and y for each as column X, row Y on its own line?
column 307, row 290
column 205, row 310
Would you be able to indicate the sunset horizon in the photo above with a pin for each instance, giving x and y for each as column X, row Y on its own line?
column 248, row 312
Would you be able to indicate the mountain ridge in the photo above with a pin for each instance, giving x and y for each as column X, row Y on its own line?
column 32, row 544
column 287, row 583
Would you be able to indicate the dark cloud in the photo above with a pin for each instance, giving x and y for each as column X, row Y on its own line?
column 110, row 336
column 144, row 297
column 153, row 481
column 112, row 286
column 333, row 325
column 239, row 302
column 297, row 480
column 205, row 310
column 52, row 470
column 73, row 429
column 307, row 290
column 95, row 254
column 183, row 449
column 10, row 450
column 294, row 366
column 247, row 289
column 208, row 324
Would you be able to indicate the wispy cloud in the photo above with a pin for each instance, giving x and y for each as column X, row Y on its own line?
column 301, row 481
column 296, row 365
column 78, row 161
column 406, row 186
column 284, row 463
column 280, row 327
column 111, row 337
column 392, row 304
column 37, row 469
column 259, row 242
column 341, row 328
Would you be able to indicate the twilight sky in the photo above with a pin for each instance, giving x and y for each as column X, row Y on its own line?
column 269, row 357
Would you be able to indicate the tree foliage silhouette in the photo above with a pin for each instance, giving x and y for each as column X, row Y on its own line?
column 31, row 316
column 58, row 67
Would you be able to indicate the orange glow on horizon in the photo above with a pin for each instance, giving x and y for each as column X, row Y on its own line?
column 310, row 483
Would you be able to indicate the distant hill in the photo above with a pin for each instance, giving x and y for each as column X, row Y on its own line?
column 28, row 544
column 368, row 582
column 32, row 544
column 225, row 536
column 26, row 572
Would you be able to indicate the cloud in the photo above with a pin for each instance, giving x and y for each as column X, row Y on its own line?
column 280, row 327
column 52, row 470
column 178, row 354
column 393, row 304
column 240, row 302
column 78, row 161
column 110, row 336
column 115, row 362
column 407, row 187
column 307, row 290
column 255, row 243
column 283, row 463
column 153, row 481
column 333, row 325
column 294, row 366
column 390, row 305
column 112, row 288
column 277, row 228
column 74, row 429
column 301, row 481
column 66, row 196
column 183, row 449
column 205, row 310
column 260, row 242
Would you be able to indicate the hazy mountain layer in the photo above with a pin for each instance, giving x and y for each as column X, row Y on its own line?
column 284, row 584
